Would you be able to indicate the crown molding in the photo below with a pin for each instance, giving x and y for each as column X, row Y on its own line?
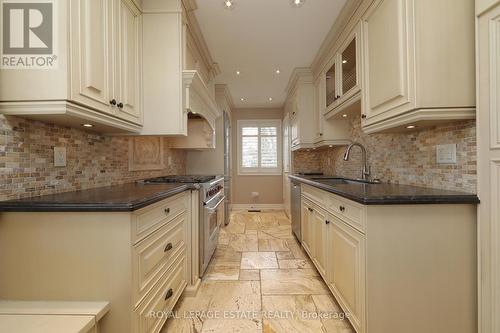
column 299, row 74
column 223, row 96
column 346, row 15
column 194, row 29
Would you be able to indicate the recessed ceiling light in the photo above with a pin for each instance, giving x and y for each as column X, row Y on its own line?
column 238, row 72
column 331, row 146
column 242, row 99
column 278, row 71
column 344, row 61
column 87, row 125
column 411, row 126
column 298, row 3
column 270, row 99
column 344, row 115
column 229, row 4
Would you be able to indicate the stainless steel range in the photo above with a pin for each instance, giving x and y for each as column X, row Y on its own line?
column 211, row 208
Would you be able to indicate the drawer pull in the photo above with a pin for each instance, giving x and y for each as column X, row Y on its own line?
column 167, row 211
column 168, row 247
column 327, row 222
column 169, row 294
column 342, row 208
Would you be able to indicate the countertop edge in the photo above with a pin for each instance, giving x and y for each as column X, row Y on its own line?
column 45, row 207
column 414, row 200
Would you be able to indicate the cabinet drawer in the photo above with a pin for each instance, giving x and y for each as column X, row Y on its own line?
column 348, row 211
column 152, row 312
column 316, row 195
column 150, row 218
column 152, row 256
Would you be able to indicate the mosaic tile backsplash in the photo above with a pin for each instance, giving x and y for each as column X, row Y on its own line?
column 27, row 160
column 403, row 158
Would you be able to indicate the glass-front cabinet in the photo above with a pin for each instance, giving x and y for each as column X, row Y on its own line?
column 342, row 76
column 331, row 87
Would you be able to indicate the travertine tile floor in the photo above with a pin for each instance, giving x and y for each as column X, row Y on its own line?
column 259, row 280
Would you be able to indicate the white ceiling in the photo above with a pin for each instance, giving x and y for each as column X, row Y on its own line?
column 257, row 37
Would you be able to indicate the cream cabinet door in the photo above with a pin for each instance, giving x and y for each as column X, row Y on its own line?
column 91, row 51
column 128, row 55
column 320, row 241
column 488, row 122
column 346, row 266
column 386, row 48
column 306, row 227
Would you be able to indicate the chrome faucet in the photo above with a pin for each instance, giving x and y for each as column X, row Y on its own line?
column 365, row 173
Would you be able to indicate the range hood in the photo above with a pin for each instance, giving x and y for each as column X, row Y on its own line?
column 197, row 98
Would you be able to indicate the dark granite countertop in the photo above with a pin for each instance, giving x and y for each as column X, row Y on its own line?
column 388, row 194
column 118, row 198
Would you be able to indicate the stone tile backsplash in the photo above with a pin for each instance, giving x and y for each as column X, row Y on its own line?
column 403, row 158
column 93, row 160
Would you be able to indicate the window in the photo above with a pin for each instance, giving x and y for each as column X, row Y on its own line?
column 259, row 147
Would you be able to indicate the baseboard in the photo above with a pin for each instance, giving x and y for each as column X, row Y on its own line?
column 192, row 290
column 257, row 206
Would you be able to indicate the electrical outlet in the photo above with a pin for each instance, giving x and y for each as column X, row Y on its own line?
column 446, row 154
column 60, row 156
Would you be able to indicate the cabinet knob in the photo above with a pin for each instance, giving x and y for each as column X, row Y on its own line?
column 310, row 209
column 338, row 96
column 363, row 116
column 320, row 134
column 120, row 105
column 169, row 294
column 342, row 208
column 327, row 222
column 168, row 247
column 112, row 102
column 167, row 210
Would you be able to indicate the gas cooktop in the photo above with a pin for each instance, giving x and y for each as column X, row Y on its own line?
column 179, row 179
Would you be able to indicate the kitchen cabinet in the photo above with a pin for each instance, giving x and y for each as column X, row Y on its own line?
column 333, row 131
column 306, row 227
column 286, row 165
column 300, row 101
column 341, row 79
column 172, row 91
column 140, row 261
column 319, row 224
column 129, row 61
column 384, row 263
column 417, row 63
column 346, row 269
column 488, row 160
column 96, row 79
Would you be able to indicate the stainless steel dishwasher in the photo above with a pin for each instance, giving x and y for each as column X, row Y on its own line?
column 295, row 207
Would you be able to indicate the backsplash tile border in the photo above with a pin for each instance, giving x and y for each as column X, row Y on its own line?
column 93, row 160
column 403, row 158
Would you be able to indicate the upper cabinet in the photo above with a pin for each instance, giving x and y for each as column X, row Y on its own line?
column 96, row 76
column 342, row 76
column 175, row 84
column 308, row 127
column 418, row 63
column 299, row 106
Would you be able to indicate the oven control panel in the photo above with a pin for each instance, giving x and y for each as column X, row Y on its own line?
column 211, row 192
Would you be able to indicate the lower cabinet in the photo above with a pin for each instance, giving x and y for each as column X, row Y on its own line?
column 140, row 262
column 306, row 227
column 385, row 265
column 319, row 226
column 346, row 248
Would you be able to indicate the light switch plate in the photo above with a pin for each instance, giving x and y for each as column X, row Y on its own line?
column 446, row 154
column 60, row 156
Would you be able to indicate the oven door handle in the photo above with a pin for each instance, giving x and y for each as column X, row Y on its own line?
column 216, row 205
